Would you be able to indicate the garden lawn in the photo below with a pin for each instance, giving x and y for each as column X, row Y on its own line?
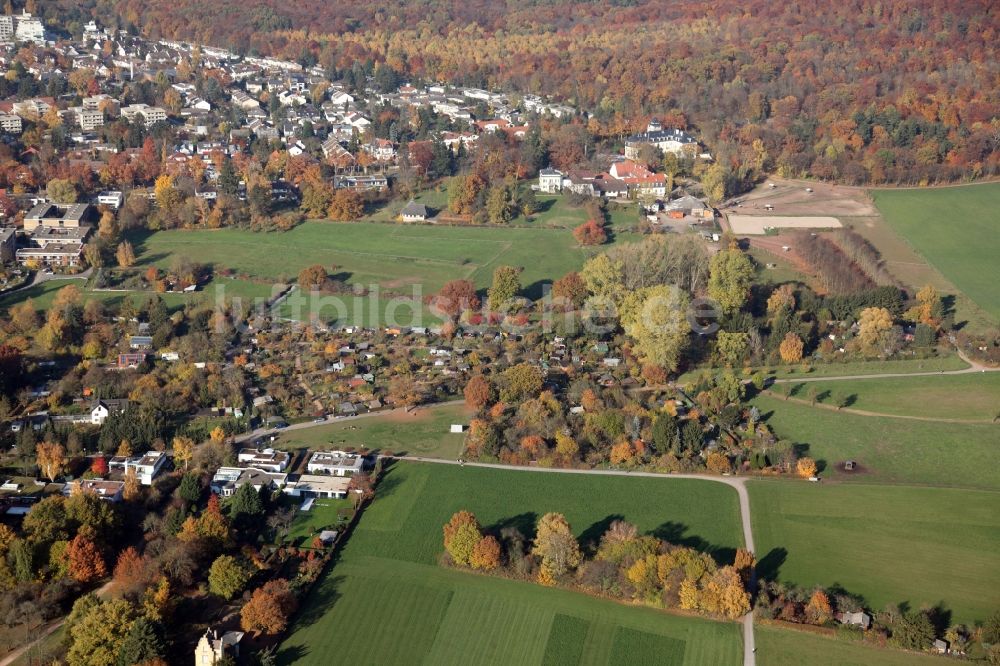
column 788, row 647
column 971, row 396
column 422, row 433
column 888, row 450
column 890, row 544
column 957, row 229
column 388, row 587
column 325, row 513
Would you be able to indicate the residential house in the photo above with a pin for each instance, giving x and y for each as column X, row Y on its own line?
column 131, row 360
column 550, row 181
column 307, row 485
column 212, row 648
column 382, row 150
column 413, row 212
column 113, row 199
column 268, row 460
column 336, row 153
column 140, row 342
column 639, row 179
column 147, row 466
column 102, row 409
column 228, row 480
column 106, row 490
column 361, row 182
column 336, row 463
column 857, row 619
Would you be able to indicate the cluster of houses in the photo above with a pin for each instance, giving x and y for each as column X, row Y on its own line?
column 248, row 90
column 147, row 466
column 328, row 474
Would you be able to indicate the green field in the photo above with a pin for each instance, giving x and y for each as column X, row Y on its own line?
column 850, row 368
column 43, row 294
column 890, row 544
column 788, row 647
column 422, row 433
column 395, row 256
column 889, row 450
column 957, row 229
column 388, row 588
column 838, row 369
column 974, row 396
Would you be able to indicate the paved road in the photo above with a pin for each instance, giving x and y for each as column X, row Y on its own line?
column 739, row 483
column 44, row 633
column 41, row 277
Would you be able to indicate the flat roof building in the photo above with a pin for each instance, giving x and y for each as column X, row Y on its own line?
column 55, row 215
column 336, row 463
column 332, row 487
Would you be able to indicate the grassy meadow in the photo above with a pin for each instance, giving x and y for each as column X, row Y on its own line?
column 421, row 433
column 394, row 256
column 974, row 396
column 788, row 647
column 957, row 229
column 889, row 450
column 890, row 544
column 388, row 586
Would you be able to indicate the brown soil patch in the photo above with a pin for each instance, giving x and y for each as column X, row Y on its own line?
column 790, row 197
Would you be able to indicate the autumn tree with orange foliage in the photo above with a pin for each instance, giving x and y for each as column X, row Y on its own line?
column 456, row 298
column 818, row 610
column 477, row 392
column 269, row 608
column 485, row 554
column 85, row 562
column 590, row 233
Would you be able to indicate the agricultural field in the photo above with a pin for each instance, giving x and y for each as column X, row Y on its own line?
column 888, row 450
column 422, row 433
column 387, row 584
column 972, row 396
column 890, row 544
column 789, row 647
column 956, row 229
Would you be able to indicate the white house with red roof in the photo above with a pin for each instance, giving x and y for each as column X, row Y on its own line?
column 638, row 178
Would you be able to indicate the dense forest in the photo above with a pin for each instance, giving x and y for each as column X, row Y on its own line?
column 860, row 91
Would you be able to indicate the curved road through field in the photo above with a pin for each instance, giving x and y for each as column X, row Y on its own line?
column 738, row 483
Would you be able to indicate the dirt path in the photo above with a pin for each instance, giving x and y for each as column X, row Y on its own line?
column 738, row 483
